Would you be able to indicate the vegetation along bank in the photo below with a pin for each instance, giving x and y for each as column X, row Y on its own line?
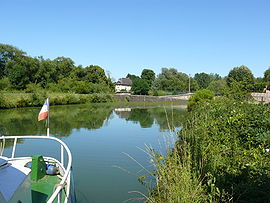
column 222, row 154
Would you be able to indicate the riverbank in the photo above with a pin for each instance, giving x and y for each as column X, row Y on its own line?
column 17, row 100
column 146, row 98
column 221, row 156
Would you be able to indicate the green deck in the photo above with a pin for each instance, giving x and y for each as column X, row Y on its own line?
column 43, row 188
column 36, row 191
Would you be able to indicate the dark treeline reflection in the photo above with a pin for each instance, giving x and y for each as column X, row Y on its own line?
column 166, row 118
column 63, row 119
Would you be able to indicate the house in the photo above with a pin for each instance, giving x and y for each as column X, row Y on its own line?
column 123, row 85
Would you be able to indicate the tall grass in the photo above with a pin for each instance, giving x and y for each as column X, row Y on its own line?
column 175, row 178
column 221, row 156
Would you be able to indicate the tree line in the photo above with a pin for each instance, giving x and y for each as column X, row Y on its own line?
column 239, row 80
column 21, row 72
column 18, row 71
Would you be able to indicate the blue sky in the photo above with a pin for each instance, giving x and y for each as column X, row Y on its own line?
column 130, row 35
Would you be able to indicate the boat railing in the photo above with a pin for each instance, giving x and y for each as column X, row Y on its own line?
column 63, row 148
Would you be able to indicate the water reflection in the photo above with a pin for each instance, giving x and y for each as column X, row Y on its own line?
column 167, row 118
column 63, row 119
column 97, row 136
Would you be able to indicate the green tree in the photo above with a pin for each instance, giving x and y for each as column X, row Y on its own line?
column 172, row 80
column 140, row 86
column 148, row 75
column 8, row 53
column 267, row 75
column 63, row 67
column 203, row 80
column 46, row 73
column 240, row 74
column 218, row 86
column 95, row 74
column 22, row 71
column 132, row 77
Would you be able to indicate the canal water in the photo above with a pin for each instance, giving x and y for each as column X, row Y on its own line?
column 108, row 144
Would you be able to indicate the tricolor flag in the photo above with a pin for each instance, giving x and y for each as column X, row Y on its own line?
column 44, row 112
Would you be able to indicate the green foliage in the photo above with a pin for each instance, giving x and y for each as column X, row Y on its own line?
column 148, row 75
column 267, row 75
column 172, row 80
column 175, row 180
column 15, row 100
column 8, row 53
column 204, row 79
column 222, row 155
column 238, row 91
column 22, row 71
column 140, row 87
column 32, row 88
column 5, row 84
column 228, row 142
column 218, row 86
column 199, row 97
column 241, row 74
column 132, row 77
column 68, row 85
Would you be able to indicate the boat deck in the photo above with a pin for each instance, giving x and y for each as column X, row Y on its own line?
column 31, row 191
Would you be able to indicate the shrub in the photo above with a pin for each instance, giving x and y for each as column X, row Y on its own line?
column 199, row 97
column 5, row 84
column 31, row 88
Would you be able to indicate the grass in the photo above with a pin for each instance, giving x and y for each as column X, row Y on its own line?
column 16, row 100
column 174, row 175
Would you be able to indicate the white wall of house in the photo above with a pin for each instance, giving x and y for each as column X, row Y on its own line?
column 118, row 88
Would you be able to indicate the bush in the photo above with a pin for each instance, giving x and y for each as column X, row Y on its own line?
column 5, row 84
column 199, row 97
column 32, row 88
column 239, row 91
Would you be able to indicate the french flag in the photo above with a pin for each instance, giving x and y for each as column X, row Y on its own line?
column 44, row 112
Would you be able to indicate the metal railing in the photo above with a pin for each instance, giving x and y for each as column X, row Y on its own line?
column 66, row 176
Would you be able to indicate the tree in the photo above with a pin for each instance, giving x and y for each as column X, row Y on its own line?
column 18, row 75
column 148, row 75
column 140, row 86
column 240, row 74
column 8, row 53
column 267, row 75
column 132, row 77
column 63, row 67
column 172, row 80
column 95, row 74
column 203, row 80
column 218, row 86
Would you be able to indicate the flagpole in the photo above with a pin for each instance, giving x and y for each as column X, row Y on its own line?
column 48, row 119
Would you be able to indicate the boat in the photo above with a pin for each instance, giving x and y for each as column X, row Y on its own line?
column 34, row 179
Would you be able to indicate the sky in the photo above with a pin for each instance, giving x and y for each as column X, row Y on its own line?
column 127, row 36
